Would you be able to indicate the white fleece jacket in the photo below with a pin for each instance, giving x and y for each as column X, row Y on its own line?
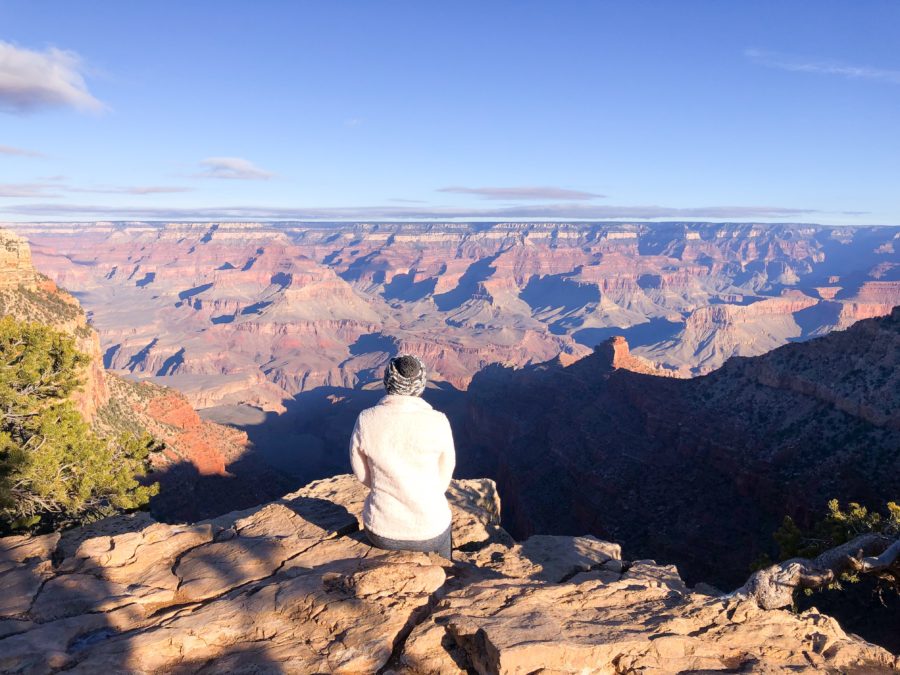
column 402, row 449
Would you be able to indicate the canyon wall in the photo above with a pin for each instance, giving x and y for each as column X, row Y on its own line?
column 29, row 296
column 253, row 313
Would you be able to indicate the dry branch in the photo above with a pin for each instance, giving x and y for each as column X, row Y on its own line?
column 887, row 562
column 774, row 586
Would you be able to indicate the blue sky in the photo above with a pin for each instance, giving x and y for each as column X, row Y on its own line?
column 712, row 110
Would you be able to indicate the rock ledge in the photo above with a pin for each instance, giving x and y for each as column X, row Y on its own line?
column 292, row 587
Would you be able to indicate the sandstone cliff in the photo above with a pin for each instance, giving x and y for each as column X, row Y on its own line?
column 15, row 262
column 292, row 587
column 192, row 467
column 619, row 355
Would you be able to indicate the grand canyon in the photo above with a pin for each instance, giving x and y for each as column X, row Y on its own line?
column 257, row 314
column 687, row 451
column 449, row 339
column 297, row 578
column 606, row 360
column 287, row 326
column 268, row 325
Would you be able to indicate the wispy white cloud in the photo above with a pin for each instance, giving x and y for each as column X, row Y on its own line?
column 21, row 152
column 537, row 211
column 232, row 168
column 132, row 190
column 799, row 64
column 53, row 187
column 523, row 193
column 29, row 190
column 32, row 80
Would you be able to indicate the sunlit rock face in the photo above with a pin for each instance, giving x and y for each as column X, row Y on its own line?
column 293, row 587
column 15, row 262
column 257, row 313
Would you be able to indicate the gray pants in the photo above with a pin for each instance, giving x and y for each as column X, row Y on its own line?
column 441, row 544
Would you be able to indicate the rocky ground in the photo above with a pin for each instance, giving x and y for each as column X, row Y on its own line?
column 292, row 587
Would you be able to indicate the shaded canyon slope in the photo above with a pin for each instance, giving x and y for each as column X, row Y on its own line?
column 698, row 472
column 293, row 587
column 250, row 313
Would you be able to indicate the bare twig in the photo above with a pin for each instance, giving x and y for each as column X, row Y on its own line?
column 774, row 586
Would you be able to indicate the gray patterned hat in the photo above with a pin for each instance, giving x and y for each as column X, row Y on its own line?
column 405, row 375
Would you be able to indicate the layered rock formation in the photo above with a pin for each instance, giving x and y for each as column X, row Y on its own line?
column 292, row 587
column 167, row 416
column 15, row 262
column 259, row 313
column 618, row 354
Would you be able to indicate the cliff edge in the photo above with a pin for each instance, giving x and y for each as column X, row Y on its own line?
column 292, row 587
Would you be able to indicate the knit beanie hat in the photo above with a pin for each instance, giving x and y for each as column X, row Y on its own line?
column 405, row 375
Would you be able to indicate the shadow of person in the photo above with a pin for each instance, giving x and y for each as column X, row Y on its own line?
column 334, row 518
column 95, row 595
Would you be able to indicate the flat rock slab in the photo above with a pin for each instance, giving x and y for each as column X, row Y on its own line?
column 73, row 594
column 474, row 502
column 545, row 557
column 626, row 626
column 17, row 550
column 340, row 618
column 19, row 587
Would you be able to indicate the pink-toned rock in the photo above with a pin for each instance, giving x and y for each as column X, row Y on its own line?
column 340, row 618
column 204, row 305
column 547, row 558
column 19, row 549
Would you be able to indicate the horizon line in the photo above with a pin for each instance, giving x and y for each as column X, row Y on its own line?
column 454, row 220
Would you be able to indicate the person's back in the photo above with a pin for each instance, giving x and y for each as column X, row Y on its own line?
column 403, row 450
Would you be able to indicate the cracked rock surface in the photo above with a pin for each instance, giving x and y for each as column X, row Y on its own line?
column 293, row 587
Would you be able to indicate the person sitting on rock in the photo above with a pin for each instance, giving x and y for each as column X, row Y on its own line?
column 402, row 450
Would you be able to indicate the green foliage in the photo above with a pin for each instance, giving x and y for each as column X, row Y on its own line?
column 37, row 365
column 54, row 470
column 792, row 543
column 837, row 527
